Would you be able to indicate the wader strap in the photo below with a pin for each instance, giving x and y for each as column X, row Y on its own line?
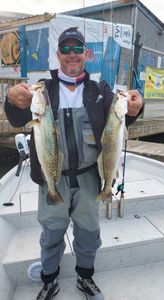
column 72, row 173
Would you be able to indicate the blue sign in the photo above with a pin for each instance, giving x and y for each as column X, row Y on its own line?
column 111, row 62
column 37, row 50
column 95, row 57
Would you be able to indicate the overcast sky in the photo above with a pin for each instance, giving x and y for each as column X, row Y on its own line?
column 56, row 6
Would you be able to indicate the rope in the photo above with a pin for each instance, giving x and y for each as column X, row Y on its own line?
column 84, row 17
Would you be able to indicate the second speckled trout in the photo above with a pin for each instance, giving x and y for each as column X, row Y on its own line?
column 112, row 143
column 46, row 140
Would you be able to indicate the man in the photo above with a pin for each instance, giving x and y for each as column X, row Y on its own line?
column 80, row 107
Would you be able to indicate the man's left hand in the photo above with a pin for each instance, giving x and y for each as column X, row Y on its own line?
column 134, row 103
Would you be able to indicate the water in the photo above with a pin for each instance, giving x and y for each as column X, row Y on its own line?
column 8, row 159
column 154, row 138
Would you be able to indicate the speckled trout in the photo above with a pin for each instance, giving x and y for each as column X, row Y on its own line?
column 46, row 140
column 112, row 143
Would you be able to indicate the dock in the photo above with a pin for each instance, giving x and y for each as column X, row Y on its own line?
column 146, row 127
column 141, row 128
column 148, row 149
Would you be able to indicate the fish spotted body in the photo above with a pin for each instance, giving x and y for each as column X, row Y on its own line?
column 112, row 143
column 46, row 140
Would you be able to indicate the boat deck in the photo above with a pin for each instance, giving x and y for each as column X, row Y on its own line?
column 129, row 264
column 144, row 282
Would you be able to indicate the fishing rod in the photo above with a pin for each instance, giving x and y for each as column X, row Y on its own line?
column 109, row 204
column 120, row 188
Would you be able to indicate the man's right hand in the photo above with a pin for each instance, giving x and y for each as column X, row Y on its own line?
column 20, row 95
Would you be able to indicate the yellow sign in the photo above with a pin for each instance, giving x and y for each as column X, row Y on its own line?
column 154, row 83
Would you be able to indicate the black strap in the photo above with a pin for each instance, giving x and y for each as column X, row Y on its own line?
column 73, row 172
column 73, row 158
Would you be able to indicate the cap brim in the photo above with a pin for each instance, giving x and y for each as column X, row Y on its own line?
column 72, row 38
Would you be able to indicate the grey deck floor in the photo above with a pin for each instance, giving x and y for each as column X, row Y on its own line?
column 145, row 282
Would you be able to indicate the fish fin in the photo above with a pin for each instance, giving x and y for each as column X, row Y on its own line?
column 125, row 133
column 100, row 166
column 57, row 131
column 104, row 196
column 61, row 156
column 32, row 123
column 113, row 182
column 54, row 199
column 102, row 137
column 116, row 175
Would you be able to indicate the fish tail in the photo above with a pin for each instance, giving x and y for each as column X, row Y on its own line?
column 104, row 196
column 54, row 198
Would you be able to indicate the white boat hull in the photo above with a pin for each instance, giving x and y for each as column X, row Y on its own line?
column 128, row 243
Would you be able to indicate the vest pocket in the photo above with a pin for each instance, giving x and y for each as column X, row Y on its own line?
column 90, row 152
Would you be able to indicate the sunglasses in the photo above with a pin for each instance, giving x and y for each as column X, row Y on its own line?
column 67, row 49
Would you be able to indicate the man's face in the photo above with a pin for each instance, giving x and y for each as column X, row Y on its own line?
column 72, row 64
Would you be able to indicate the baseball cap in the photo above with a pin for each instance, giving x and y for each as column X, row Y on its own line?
column 71, row 33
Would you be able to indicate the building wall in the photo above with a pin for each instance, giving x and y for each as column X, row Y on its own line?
column 115, row 15
column 150, row 45
column 150, row 32
column 147, row 26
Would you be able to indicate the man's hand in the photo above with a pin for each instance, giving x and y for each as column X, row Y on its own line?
column 20, row 95
column 134, row 103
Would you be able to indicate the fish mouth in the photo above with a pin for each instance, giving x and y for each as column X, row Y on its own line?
column 37, row 86
column 122, row 93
